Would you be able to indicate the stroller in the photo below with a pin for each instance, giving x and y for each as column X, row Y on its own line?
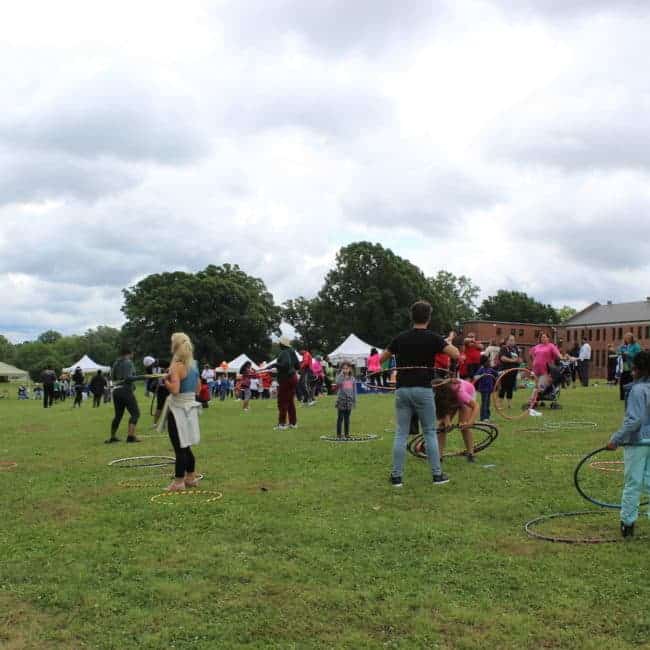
column 560, row 377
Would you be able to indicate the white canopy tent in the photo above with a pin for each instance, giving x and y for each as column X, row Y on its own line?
column 236, row 364
column 87, row 366
column 354, row 350
column 9, row 372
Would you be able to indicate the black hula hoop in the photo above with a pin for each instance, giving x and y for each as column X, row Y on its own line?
column 416, row 446
column 362, row 438
column 529, row 528
column 147, row 461
column 583, row 494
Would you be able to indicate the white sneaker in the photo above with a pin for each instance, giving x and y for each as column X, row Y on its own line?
column 311, row 403
column 535, row 413
column 280, row 427
column 293, row 426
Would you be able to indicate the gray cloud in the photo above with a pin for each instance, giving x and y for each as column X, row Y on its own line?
column 335, row 26
column 42, row 176
column 562, row 8
column 109, row 116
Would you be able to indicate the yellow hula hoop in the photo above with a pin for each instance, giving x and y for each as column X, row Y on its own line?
column 170, row 497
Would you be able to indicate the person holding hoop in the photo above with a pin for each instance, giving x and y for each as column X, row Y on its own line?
column 416, row 349
column 510, row 357
column 181, row 411
column 123, row 396
column 635, row 432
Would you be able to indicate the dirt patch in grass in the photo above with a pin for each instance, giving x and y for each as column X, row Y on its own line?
column 22, row 625
column 33, row 428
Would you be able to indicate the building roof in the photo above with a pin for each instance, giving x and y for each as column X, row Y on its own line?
column 611, row 314
column 507, row 322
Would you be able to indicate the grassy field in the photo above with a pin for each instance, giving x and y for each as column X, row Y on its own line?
column 328, row 556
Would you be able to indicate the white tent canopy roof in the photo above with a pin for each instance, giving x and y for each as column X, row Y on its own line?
column 87, row 366
column 12, row 372
column 237, row 363
column 353, row 349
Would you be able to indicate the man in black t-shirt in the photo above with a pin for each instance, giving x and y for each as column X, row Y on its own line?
column 48, row 378
column 509, row 358
column 416, row 349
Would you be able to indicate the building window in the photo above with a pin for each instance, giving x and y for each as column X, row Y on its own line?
column 521, row 332
column 590, row 335
column 513, row 332
column 498, row 331
column 647, row 331
column 575, row 335
column 598, row 334
column 639, row 332
column 537, row 334
column 620, row 333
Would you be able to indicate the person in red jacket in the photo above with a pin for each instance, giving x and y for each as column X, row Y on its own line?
column 472, row 353
column 204, row 393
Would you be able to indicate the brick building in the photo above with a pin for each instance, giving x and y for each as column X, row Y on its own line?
column 604, row 325
column 526, row 334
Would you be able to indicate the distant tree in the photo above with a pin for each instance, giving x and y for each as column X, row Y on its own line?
column 48, row 337
column 102, row 344
column 34, row 356
column 301, row 313
column 454, row 299
column 7, row 350
column 224, row 311
column 516, row 306
column 565, row 312
column 368, row 292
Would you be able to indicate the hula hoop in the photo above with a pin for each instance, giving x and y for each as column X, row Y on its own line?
column 362, row 438
column 498, row 403
column 558, row 456
column 607, row 465
column 569, row 424
column 529, row 528
column 583, row 494
column 6, row 465
column 135, row 483
column 170, row 497
column 416, row 446
column 147, row 461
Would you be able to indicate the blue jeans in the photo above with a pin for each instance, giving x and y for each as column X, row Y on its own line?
column 637, row 480
column 416, row 400
column 485, row 406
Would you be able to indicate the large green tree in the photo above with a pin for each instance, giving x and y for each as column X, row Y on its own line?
column 368, row 292
column 516, row 306
column 454, row 299
column 302, row 313
column 50, row 336
column 7, row 350
column 224, row 311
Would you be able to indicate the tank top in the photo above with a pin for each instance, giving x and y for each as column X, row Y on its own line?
column 188, row 385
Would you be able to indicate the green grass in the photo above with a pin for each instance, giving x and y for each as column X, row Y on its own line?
column 330, row 556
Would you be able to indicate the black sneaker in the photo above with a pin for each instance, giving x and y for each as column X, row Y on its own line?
column 440, row 479
column 113, row 439
column 396, row 481
column 470, row 458
column 627, row 531
column 132, row 439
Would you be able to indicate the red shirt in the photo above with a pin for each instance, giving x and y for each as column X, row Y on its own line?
column 204, row 393
column 442, row 360
column 306, row 360
column 472, row 355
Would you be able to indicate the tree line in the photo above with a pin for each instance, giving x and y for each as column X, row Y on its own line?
column 226, row 311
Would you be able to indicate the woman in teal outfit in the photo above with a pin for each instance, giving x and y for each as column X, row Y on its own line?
column 628, row 351
column 635, row 432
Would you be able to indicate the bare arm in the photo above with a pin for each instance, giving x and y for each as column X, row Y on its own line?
column 177, row 373
column 451, row 351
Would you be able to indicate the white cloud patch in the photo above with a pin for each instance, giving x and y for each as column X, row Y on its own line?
column 504, row 141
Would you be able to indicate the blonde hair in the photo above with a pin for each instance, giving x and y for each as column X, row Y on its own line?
column 182, row 349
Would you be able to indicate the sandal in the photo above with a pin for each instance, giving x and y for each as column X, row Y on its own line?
column 175, row 487
column 194, row 482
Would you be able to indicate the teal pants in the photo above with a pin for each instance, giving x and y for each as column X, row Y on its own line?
column 637, row 481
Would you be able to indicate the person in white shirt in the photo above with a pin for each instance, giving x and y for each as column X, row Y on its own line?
column 208, row 375
column 584, row 361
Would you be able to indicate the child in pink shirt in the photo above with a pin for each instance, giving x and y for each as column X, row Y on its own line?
column 456, row 396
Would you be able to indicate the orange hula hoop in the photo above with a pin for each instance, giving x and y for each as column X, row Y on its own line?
column 498, row 403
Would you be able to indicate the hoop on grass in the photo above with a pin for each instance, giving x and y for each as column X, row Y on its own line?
column 521, row 398
column 484, row 436
column 6, row 465
column 608, row 465
column 172, row 498
column 557, row 426
column 142, row 461
column 583, row 534
column 599, row 479
column 368, row 437
column 148, row 483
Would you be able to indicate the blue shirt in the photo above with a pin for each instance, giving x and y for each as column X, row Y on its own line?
column 188, row 385
column 636, row 424
column 487, row 379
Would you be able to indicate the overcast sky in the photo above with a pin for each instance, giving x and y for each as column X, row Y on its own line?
column 508, row 140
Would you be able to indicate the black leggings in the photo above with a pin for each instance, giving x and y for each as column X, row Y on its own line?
column 124, row 399
column 625, row 378
column 343, row 420
column 508, row 384
column 185, row 462
column 97, row 400
column 78, row 396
